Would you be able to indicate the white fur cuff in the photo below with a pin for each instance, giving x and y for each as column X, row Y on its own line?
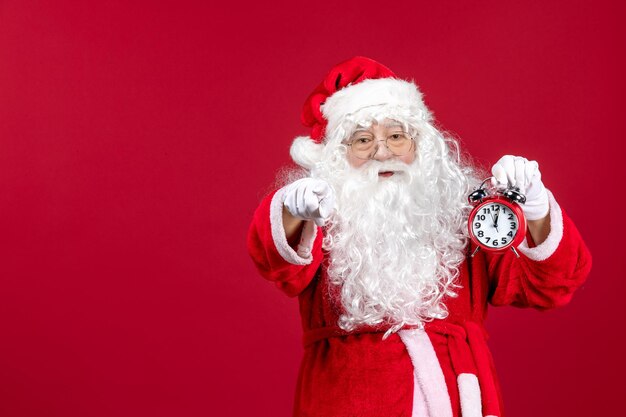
column 303, row 255
column 544, row 250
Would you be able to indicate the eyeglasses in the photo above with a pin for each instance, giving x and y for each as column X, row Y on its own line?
column 365, row 146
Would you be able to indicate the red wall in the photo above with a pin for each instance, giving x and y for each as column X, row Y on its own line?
column 137, row 138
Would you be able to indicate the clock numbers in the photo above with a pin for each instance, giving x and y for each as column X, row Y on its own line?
column 494, row 225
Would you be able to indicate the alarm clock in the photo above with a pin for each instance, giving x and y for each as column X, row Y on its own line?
column 497, row 222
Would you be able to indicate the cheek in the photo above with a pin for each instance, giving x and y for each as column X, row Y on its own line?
column 355, row 162
column 408, row 158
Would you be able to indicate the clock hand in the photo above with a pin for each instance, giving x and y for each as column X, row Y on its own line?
column 495, row 222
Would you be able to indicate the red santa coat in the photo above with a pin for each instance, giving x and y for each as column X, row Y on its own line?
column 444, row 370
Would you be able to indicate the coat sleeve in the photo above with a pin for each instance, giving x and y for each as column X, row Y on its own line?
column 544, row 276
column 290, row 268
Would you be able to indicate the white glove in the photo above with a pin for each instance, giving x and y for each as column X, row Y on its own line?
column 520, row 172
column 310, row 199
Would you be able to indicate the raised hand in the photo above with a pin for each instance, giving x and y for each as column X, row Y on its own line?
column 519, row 172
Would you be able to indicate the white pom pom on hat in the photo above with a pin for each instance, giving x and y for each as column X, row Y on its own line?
column 350, row 86
column 306, row 152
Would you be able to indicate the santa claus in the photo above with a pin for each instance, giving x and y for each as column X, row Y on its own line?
column 373, row 240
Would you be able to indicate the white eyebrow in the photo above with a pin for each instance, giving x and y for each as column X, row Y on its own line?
column 360, row 129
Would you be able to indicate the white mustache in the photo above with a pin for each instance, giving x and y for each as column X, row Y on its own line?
column 373, row 168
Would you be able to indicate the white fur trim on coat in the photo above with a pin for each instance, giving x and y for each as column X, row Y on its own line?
column 544, row 250
column 303, row 254
column 469, row 393
column 427, row 373
column 420, row 406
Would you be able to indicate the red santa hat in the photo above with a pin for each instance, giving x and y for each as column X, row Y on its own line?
column 360, row 86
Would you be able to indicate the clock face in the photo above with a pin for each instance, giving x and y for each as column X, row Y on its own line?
column 495, row 225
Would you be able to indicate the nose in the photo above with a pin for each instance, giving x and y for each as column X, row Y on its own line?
column 382, row 153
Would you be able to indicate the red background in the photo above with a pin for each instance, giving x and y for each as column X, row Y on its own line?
column 136, row 139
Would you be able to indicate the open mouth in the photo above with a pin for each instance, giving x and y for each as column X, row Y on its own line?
column 385, row 173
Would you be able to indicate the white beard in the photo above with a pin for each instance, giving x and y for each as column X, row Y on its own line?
column 396, row 243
